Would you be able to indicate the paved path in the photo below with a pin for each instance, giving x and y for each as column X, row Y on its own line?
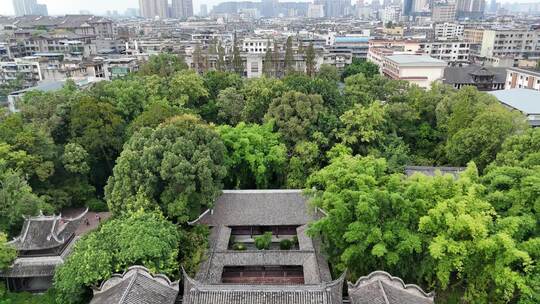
column 93, row 222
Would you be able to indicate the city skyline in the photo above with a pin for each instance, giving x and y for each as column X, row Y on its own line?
column 61, row 7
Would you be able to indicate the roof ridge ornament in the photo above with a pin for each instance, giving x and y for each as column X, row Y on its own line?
column 379, row 274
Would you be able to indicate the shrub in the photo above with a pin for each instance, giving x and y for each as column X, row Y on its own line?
column 239, row 246
column 295, row 240
column 263, row 242
column 97, row 205
column 285, row 244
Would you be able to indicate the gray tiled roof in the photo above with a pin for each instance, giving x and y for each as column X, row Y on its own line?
column 67, row 21
column 136, row 286
column 324, row 293
column 463, row 75
column 432, row 171
column 259, row 207
column 380, row 287
column 46, row 232
column 32, row 267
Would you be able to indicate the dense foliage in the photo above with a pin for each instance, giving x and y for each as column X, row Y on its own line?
column 177, row 167
column 139, row 238
column 476, row 237
column 166, row 140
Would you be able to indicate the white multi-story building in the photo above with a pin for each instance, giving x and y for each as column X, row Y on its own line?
column 449, row 31
column 256, row 45
column 443, row 12
column 421, row 70
column 391, row 13
column 28, row 69
column 517, row 44
column 449, row 51
column 522, row 78
column 315, row 11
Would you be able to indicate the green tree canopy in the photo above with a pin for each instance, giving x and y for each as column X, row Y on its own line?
column 259, row 93
column 359, row 66
column 440, row 232
column 482, row 138
column 140, row 238
column 177, row 167
column 17, row 200
column 256, row 158
column 186, row 88
column 230, row 103
column 521, row 149
column 7, row 252
column 296, row 115
column 363, row 126
column 163, row 65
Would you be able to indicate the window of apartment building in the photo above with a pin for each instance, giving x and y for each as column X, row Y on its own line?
column 254, row 67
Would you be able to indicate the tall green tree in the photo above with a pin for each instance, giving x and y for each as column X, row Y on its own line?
column 139, row 238
column 363, row 126
column 230, row 104
column 237, row 62
column 359, row 66
column 483, row 137
column 268, row 64
column 163, row 65
column 256, row 158
column 259, row 93
column 97, row 128
column 295, row 115
column 289, row 55
column 187, row 89
column 304, row 161
column 7, row 252
column 17, row 200
column 310, row 60
column 522, row 149
column 221, row 63
column 177, row 167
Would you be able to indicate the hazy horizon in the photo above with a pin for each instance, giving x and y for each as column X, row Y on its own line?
column 61, row 7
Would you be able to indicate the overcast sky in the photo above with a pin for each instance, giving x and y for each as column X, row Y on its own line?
column 59, row 7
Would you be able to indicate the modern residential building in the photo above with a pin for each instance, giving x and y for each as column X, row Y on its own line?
column 256, row 45
column 182, row 8
column 120, row 67
column 154, row 8
column 470, row 9
column 315, row 11
column 420, row 6
column 391, row 13
column 473, row 35
column 29, row 7
column 449, row 31
column 358, row 45
column 524, row 100
column 421, row 70
column 522, row 78
column 27, row 69
column 513, row 43
column 450, row 51
column 443, row 12
column 203, row 10
column 483, row 78
column 43, row 245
